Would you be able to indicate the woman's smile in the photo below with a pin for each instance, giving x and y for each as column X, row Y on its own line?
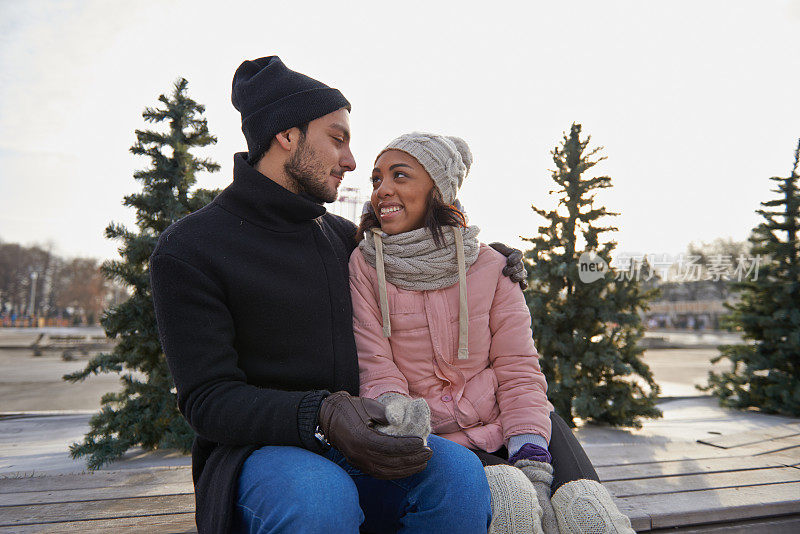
column 389, row 211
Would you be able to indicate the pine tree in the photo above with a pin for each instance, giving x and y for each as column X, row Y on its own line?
column 144, row 413
column 586, row 331
column 766, row 368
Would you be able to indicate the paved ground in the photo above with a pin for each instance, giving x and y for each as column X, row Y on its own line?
column 693, row 338
column 29, row 383
column 677, row 371
column 39, row 445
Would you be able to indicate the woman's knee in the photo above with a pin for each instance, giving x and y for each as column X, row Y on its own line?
column 570, row 461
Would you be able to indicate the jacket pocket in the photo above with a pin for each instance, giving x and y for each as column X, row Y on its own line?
column 481, row 393
column 407, row 310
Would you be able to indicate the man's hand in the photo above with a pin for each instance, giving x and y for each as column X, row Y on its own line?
column 348, row 423
column 514, row 268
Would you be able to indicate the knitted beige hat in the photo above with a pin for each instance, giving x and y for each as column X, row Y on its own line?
column 446, row 158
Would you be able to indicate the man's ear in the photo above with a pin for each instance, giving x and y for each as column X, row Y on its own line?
column 287, row 138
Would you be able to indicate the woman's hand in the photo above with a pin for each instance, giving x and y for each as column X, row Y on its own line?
column 406, row 416
column 529, row 451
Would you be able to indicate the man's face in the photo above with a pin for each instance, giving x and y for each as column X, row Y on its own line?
column 320, row 159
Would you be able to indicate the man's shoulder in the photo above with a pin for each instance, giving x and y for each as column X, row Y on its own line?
column 191, row 231
column 340, row 225
column 342, row 228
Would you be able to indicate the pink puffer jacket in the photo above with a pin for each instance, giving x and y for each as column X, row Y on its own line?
column 479, row 402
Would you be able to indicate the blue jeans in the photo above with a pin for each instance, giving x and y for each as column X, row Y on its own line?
column 287, row 489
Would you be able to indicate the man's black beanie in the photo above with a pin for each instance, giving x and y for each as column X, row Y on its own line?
column 272, row 98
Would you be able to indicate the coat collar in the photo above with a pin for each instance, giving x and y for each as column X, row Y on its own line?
column 261, row 201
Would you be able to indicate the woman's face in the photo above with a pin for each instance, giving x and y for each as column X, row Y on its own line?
column 400, row 190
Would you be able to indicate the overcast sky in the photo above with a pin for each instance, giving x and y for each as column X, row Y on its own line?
column 696, row 103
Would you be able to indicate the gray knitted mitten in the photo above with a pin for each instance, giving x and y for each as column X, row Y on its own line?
column 541, row 475
column 406, row 416
column 515, row 508
column 585, row 506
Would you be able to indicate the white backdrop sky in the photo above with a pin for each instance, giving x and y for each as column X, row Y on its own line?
column 696, row 103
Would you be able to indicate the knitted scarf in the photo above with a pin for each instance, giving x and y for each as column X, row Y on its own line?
column 411, row 260
column 414, row 262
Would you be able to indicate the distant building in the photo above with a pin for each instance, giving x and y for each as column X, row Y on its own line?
column 349, row 204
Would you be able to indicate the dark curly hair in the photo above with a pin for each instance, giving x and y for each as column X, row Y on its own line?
column 438, row 214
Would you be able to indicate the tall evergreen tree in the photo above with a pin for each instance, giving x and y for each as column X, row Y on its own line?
column 586, row 331
column 766, row 368
column 144, row 413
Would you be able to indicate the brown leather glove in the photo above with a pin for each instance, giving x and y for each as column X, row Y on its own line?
column 514, row 268
column 348, row 423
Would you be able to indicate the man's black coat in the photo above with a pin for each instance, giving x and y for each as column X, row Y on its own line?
column 253, row 307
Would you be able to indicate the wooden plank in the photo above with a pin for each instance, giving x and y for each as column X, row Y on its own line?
column 108, row 509
column 691, row 483
column 778, row 525
column 98, row 479
column 788, row 458
column 684, row 467
column 789, row 446
column 714, row 506
column 640, row 519
column 640, row 524
column 94, row 494
column 160, row 524
column 623, row 454
column 752, row 437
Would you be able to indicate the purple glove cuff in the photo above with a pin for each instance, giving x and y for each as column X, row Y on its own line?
column 529, row 451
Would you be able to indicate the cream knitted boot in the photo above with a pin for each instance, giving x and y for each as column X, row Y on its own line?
column 541, row 476
column 585, row 507
column 515, row 508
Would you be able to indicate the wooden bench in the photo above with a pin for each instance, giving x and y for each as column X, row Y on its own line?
column 742, row 483
column 70, row 344
column 156, row 499
column 748, row 482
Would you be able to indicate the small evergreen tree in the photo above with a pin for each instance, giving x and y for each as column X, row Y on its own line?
column 586, row 331
column 766, row 371
column 145, row 412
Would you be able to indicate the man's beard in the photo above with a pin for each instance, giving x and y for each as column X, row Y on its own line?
column 309, row 175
